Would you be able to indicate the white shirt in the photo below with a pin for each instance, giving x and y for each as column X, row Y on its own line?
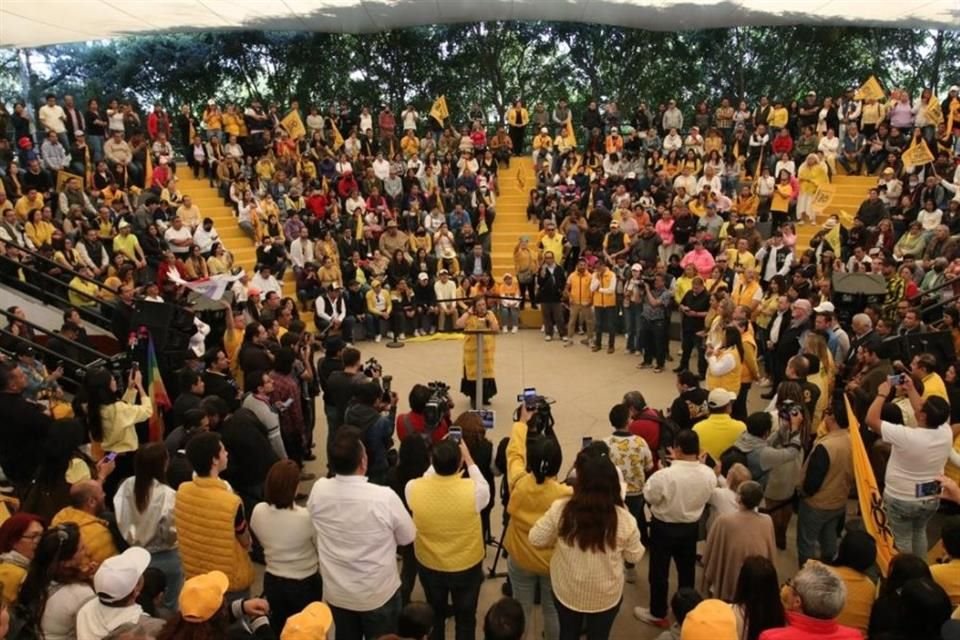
column 172, row 234
column 301, row 252
column 679, row 493
column 381, row 169
column 930, row 220
column 359, row 527
column 918, row 456
column 59, row 621
column 266, row 285
column 205, row 239
column 52, row 118
column 289, row 540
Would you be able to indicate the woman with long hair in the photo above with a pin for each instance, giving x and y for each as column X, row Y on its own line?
column 887, row 614
column 284, row 528
column 57, row 584
column 724, row 364
column 144, row 509
column 815, row 343
column 111, row 420
column 856, row 557
column 756, row 602
column 592, row 535
column 481, row 450
column 533, row 463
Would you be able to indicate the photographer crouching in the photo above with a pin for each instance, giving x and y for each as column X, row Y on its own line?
column 373, row 411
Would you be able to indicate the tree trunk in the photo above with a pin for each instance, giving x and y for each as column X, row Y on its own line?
column 26, row 83
column 937, row 61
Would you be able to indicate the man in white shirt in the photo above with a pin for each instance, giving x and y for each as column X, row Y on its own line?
column 359, row 527
column 205, row 236
column 53, row 118
column 189, row 213
column 265, row 281
column 911, row 492
column 445, row 289
column 677, row 496
column 179, row 237
column 301, row 250
column 331, row 313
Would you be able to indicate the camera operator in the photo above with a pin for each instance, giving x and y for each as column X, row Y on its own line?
column 339, row 390
column 532, row 467
column 415, row 420
column 374, row 417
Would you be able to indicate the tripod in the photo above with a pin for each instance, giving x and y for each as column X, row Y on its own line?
column 492, row 571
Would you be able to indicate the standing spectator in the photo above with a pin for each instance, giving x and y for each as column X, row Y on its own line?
column 603, row 288
column 593, row 535
column 856, row 558
column 292, row 579
column 374, row 415
column 449, row 545
column 655, row 318
column 677, row 496
column 632, row 456
column 259, row 385
column 911, row 493
column 210, row 518
column 694, row 306
column 287, row 398
column 719, row 431
column 360, row 580
column 756, row 602
column 26, row 426
column 550, row 286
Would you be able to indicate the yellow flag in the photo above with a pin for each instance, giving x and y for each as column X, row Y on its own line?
column 846, row 219
column 917, row 155
column 569, row 135
column 147, row 171
column 823, row 198
column 868, row 493
column 439, row 111
column 358, row 230
column 870, row 90
column 63, row 176
column 294, row 125
column 337, row 138
column 932, row 111
column 833, row 237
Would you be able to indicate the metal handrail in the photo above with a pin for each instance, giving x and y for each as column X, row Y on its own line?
column 72, row 367
column 925, row 292
column 45, row 293
column 40, row 256
column 47, row 332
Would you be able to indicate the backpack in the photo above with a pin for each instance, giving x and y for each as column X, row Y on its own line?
column 668, row 432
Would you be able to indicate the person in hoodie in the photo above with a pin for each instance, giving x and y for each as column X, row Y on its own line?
column 375, row 417
column 117, row 583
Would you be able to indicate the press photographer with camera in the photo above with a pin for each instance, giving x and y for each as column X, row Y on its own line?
column 370, row 412
column 416, row 420
column 533, row 462
column 339, row 387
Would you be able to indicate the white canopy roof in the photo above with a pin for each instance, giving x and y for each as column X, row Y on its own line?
column 30, row 23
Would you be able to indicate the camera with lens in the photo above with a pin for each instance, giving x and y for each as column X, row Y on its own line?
column 541, row 422
column 438, row 405
column 372, row 368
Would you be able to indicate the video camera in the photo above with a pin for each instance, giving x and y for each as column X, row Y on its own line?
column 541, row 422
column 373, row 369
column 438, row 405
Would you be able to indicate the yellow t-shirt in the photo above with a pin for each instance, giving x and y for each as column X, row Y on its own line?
column 861, row 592
column 126, row 245
column 933, row 386
column 948, row 576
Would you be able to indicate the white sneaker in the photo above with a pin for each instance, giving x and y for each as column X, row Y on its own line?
column 541, row 329
column 390, row 335
column 504, row 330
column 643, row 614
column 377, row 338
column 403, row 336
column 547, row 338
column 513, row 330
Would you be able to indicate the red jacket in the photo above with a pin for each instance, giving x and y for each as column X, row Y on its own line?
column 418, row 424
column 782, row 144
column 346, row 186
column 317, row 204
column 649, row 430
column 801, row 627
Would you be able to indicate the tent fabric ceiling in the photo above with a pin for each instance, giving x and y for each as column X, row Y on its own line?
column 31, row 23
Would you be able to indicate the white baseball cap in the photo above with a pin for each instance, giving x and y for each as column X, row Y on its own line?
column 118, row 576
column 825, row 307
column 719, row 398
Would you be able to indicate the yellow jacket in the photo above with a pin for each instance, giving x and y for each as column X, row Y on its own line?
column 372, row 300
column 94, row 533
column 120, row 420
column 12, row 575
column 718, row 432
column 449, row 536
column 778, row 118
column 579, row 286
column 750, row 370
column 542, row 141
column 512, row 116
column 410, row 146
column 601, row 299
column 811, row 177
column 528, row 502
column 782, row 194
column 40, row 233
column 205, row 514
column 231, row 124
column 730, row 380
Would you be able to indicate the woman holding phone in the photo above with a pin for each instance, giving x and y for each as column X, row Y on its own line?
column 478, row 319
column 112, row 419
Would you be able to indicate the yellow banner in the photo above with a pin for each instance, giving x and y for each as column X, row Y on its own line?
column 870, row 90
column 932, row 111
column 823, row 198
column 294, row 125
column 337, row 138
column 917, row 155
column 871, row 502
column 439, row 111
column 846, row 219
column 64, row 176
column 569, row 135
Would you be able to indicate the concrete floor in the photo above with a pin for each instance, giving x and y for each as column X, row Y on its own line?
column 584, row 386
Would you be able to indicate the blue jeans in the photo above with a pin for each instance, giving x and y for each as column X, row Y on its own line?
column 634, row 320
column 525, row 585
column 908, row 522
column 598, row 625
column 462, row 589
column 818, row 527
column 169, row 563
column 96, row 148
column 357, row 625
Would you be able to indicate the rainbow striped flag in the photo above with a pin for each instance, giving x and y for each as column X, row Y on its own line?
column 157, row 392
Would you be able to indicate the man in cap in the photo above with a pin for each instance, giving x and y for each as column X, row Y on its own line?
column 129, row 245
column 313, row 623
column 719, row 431
column 117, row 582
column 204, row 595
column 393, row 239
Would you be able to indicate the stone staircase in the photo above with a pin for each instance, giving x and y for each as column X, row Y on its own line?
column 851, row 191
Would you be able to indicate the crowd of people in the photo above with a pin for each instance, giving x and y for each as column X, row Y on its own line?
column 386, row 224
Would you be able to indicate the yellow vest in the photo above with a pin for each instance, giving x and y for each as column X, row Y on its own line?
column 94, row 533
column 580, row 288
column 11, row 578
column 730, row 380
column 444, row 509
column 605, row 299
column 205, row 513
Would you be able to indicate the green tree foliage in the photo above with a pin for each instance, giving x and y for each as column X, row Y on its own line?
column 491, row 63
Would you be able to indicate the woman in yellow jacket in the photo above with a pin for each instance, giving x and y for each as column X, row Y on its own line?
column 517, row 119
column 812, row 175
column 749, row 370
column 38, row 230
column 782, row 196
column 724, row 364
column 532, row 478
column 112, row 421
column 232, row 121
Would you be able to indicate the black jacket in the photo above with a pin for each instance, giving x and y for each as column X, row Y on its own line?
column 550, row 286
column 223, row 386
column 23, row 435
column 251, row 454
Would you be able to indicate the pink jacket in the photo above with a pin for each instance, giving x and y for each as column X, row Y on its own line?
column 702, row 261
column 801, row 627
column 665, row 230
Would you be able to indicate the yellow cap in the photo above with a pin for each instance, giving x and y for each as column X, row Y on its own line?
column 202, row 596
column 312, row 623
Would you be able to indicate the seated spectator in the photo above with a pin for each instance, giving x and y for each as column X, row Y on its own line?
column 117, row 582
column 87, row 503
column 505, row 620
column 710, row 618
column 756, row 602
column 813, row 599
column 19, row 536
column 856, row 559
column 208, row 609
